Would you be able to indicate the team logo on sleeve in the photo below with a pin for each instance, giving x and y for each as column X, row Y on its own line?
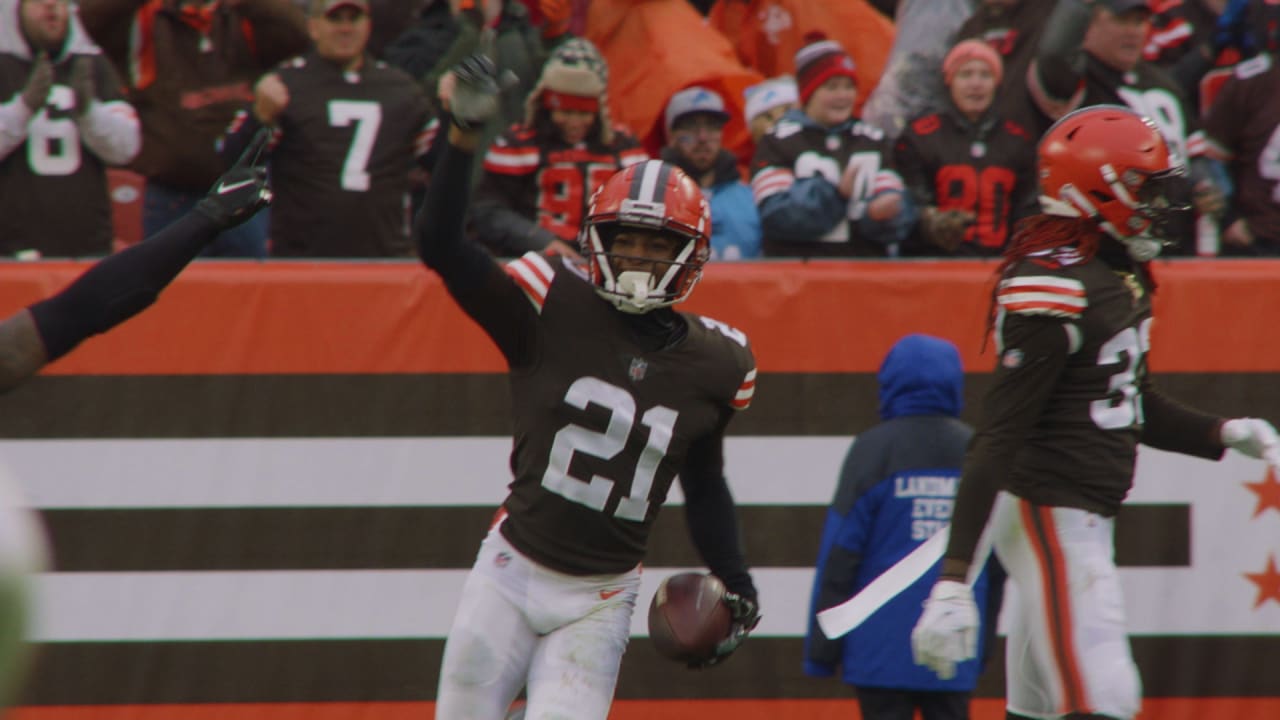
column 1012, row 359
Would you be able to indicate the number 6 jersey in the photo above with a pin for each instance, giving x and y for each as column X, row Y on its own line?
column 603, row 420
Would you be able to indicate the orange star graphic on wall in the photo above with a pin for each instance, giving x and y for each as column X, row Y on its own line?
column 1268, row 582
column 1268, row 492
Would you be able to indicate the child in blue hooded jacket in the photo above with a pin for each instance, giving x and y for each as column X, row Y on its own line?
column 895, row 490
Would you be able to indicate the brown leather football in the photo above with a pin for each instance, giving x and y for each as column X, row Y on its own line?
column 688, row 618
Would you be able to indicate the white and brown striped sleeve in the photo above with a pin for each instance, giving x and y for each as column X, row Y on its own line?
column 533, row 273
column 746, row 391
column 1045, row 295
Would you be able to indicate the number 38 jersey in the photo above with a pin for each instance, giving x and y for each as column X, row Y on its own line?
column 1080, row 450
column 602, row 425
column 1071, row 397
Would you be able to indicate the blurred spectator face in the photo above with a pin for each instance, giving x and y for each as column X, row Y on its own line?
column 340, row 35
column 764, row 122
column 573, row 125
column 698, row 137
column 973, row 88
column 44, row 22
column 832, row 102
column 1117, row 40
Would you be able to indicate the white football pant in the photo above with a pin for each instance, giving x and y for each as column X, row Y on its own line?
column 520, row 624
column 1067, row 648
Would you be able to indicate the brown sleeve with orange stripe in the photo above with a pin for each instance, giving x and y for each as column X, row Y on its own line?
column 1012, row 406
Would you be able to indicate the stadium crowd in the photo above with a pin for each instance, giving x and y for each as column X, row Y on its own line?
column 848, row 128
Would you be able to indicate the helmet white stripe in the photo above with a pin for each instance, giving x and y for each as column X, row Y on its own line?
column 650, row 173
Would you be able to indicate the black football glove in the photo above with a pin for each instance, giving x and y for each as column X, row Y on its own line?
column 243, row 190
column 745, row 615
column 475, row 94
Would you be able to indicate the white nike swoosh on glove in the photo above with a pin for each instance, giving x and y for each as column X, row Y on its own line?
column 224, row 188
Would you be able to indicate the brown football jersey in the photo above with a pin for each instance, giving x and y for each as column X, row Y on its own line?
column 601, row 424
column 341, row 168
column 1080, row 448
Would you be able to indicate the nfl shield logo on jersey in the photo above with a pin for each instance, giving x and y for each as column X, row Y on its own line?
column 638, row 368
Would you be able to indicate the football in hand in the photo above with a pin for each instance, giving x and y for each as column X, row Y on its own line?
column 688, row 617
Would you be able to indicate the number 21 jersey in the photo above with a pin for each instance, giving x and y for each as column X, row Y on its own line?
column 602, row 424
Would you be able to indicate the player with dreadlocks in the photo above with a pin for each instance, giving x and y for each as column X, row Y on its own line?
column 1070, row 399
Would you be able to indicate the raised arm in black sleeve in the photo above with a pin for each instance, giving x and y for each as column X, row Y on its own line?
column 1060, row 62
column 476, row 282
column 122, row 285
column 711, row 514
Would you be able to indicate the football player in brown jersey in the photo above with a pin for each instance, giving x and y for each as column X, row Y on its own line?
column 110, row 292
column 1071, row 398
column 614, row 393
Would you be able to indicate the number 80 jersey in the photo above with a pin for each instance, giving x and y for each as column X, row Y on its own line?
column 1080, row 446
column 602, row 425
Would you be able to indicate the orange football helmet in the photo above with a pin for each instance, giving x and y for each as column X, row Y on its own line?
column 652, row 195
column 1110, row 164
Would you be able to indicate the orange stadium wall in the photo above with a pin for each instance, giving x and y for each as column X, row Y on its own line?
column 264, row 493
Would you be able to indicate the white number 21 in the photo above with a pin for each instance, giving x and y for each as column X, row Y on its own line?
column 594, row 493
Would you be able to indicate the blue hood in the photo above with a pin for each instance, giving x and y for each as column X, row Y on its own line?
column 921, row 375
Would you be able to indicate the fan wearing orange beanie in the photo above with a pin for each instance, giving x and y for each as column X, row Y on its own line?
column 969, row 170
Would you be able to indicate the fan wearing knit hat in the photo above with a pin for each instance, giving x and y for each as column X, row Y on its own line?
column 970, row 170
column 767, row 102
column 539, row 175
column 822, row 178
